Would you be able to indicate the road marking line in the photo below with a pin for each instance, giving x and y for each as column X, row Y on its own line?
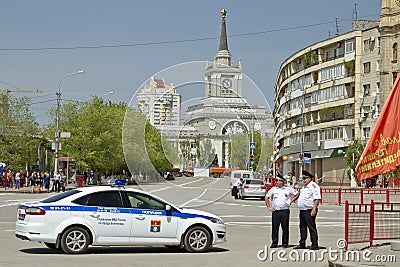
column 194, row 199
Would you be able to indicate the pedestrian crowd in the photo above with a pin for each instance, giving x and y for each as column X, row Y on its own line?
column 44, row 181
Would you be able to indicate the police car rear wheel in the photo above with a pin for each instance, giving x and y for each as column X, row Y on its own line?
column 75, row 240
column 197, row 239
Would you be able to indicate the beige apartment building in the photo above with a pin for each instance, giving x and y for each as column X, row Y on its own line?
column 331, row 92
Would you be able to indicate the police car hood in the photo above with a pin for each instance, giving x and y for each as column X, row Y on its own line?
column 199, row 213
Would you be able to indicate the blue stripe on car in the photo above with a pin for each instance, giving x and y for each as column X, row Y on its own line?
column 122, row 210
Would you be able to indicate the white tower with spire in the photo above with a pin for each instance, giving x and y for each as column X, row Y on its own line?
column 221, row 79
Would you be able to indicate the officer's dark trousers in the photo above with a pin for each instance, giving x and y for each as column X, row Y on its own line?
column 308, row 221
column 280, row 217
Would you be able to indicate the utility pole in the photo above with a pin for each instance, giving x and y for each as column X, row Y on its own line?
column 301, row 156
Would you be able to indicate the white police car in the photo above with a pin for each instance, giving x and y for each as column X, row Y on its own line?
column 113, row 216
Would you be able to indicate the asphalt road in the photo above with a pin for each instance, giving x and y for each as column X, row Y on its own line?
column 248, row 232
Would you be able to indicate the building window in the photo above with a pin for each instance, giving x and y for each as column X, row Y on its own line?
column 367, row 67
column 349, row 46
column 366, row 89
column 366, row 45
column 366, row 132
column 394, row 51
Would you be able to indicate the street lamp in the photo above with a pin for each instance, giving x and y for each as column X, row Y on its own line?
column 301, row 159
column 108, row 93
column 57, row 143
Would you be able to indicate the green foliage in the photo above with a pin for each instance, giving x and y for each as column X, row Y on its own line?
column 206, row 152
column 19, row 133
column 353, row 154
column 238, row 148
column 331, row 113
column 96, row 135
column 146, row 152
column 350, row 67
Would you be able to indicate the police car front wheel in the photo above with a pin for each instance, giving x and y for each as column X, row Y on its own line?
column 75, row 240
column 197, row 239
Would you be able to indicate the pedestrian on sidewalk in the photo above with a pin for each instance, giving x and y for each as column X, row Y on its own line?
column 18, row 180
column 281, row 197
column 46, row 181
column 57, row 179
column 308, row 201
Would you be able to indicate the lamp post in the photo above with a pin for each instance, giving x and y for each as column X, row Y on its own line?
column 57, row 142
column 301, row 158
column 108, row 93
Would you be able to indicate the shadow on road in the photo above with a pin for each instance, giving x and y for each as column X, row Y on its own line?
column 121, row 250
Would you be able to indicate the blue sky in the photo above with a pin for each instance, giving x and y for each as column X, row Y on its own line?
column 42, row 24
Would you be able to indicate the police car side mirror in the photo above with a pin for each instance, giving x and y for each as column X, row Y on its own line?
column 167, row 207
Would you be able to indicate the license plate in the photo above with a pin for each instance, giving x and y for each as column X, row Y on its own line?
column 21, row 215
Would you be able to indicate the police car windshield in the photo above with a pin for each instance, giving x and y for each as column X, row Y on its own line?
column 60, row 196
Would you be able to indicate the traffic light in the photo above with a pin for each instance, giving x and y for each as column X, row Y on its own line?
column 251, row 159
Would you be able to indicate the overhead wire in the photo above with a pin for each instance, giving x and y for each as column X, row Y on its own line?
column 176, row 41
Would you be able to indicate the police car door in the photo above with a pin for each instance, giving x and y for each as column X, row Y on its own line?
column 105, row 214
column 150, row 220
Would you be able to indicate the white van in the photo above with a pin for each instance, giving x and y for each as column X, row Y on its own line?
column 236, row 175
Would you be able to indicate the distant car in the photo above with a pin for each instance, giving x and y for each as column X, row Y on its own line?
column 107, row 216
column 253, row 188
column 238, row 174
column 170, row 177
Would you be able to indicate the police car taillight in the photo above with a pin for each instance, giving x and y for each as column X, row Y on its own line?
column 246, row 187
column 35, row 211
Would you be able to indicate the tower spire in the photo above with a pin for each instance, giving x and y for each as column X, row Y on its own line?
column 223, row 41
column 223, row 56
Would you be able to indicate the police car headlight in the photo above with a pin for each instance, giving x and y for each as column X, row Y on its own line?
column 216, row 220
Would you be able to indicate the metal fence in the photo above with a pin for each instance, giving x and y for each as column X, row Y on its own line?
column 374, row 221
column 358, row 195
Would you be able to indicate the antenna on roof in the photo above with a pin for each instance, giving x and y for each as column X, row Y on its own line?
column 355, row 14
column 337, row 26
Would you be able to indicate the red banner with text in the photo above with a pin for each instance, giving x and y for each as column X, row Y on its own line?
column 382, row 152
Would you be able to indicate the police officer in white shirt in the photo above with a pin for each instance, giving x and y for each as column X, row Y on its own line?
column 308, row 202
column 281, row 197
column 235, row 188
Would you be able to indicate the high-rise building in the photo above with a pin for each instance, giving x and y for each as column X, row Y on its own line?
column 331, row 92
column 159, row 102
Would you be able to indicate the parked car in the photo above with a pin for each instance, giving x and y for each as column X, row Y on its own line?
column 113, row 215
column 253, row 188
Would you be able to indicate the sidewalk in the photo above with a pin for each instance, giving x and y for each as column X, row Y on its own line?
column 28, row 190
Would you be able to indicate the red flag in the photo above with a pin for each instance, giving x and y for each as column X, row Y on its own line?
column 382, row 152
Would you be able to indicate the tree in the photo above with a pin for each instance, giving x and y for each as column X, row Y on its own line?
column 144, row 148
column 207, row 153
column 238, row 148
column 19, row 133
column 96, row 135
column 353, row 154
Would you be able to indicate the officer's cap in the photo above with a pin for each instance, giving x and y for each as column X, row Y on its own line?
column 307, row 174
column 279, row 177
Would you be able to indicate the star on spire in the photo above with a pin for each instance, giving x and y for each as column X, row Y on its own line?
column 223, row 13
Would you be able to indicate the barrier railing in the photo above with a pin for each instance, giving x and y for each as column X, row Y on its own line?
column 358, row 195
column 374, row 221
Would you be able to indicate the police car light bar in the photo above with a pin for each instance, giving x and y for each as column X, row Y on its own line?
column 119, row 183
